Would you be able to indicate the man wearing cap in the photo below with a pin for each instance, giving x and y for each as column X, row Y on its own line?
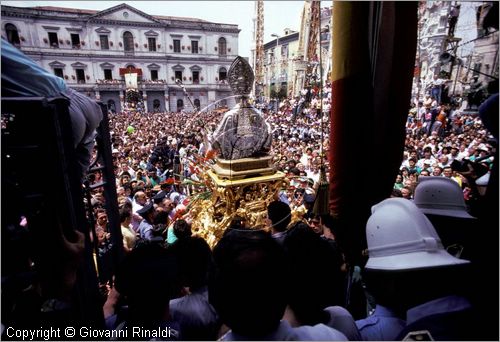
column 146, row 226
column 413, row 277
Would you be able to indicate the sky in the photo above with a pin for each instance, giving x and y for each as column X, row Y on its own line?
column 278, row 15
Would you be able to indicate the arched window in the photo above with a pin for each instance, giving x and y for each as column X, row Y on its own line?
column 156, row 105
column 197, row 103
column 128, row 41
column 222, row 46
column 12, row 34
column 222, row 74
column 111, row 106
column 180, row 105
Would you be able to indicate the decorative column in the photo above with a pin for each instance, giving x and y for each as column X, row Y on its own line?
column 145, row 101
column 122, row 102
column 167, row 101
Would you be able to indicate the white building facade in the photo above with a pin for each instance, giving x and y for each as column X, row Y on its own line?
column 93, row 50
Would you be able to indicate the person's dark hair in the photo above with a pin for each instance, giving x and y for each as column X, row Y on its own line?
column 182, row 229
column 125, row 213
column 249, row 287
column 148, row 279
column 329, row 222
column 280, row 215
column 315, row 282
column 195, row 261
column 295, row 171
column 396, row 193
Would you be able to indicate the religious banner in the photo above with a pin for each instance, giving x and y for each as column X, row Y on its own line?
column 131, row 81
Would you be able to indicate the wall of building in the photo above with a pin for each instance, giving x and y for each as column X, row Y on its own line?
column 34, row 26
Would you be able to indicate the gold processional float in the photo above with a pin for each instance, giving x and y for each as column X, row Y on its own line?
column 242, row 181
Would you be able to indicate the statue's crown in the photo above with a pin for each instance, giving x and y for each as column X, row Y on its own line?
column 240, row 77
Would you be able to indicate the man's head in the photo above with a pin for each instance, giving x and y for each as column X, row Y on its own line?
column 140, row 197
column 148, row 279
column 250, row 281
column 182, row 229
column 415, row 273
column 406, row 192
column 436, row 171
column 280, row 215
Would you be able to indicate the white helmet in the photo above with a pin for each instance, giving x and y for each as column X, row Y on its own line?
column 401, row 237
column 440, row 196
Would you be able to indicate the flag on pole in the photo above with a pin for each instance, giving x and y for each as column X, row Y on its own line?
column 373, row 56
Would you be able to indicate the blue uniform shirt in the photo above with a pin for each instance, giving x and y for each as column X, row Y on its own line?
column 383, row 325
column 284, row 332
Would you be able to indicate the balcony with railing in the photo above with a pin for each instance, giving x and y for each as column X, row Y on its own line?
column 112, row 84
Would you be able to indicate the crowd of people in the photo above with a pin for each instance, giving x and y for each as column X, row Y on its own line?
column 157, row 162
column 289, row 280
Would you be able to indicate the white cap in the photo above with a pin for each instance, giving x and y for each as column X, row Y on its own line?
column 400, row 237
column 440, row 196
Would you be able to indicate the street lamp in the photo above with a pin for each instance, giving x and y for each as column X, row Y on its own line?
column 276, row 57
column 277, row 41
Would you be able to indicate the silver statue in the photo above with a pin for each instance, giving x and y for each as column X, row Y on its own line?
column 243, row 132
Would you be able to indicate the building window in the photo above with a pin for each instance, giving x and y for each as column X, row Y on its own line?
column 128, row 41
column 197, row 103
column 284, row 51
column 108, row 74
column 75, row 40
column 58, row 72
column 177, row 45
column 152, row 44
column 12, row 34
column 476, row 70
column 222, row 74
column 80, row 75
column 194, row 46
column 111, row 106
column 104, row 42
column 53, row 41
column 196, row 77
column 180, row 105
column 154, row 75
column 178, row 75
column 156, row 105
column 222, row 46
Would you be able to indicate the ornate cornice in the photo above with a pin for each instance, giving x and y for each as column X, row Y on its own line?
column 151, row 33
column 31, row 13
column 102, row 30
column 79, row 65
column 107, row 65
column 122, row 56
column 136, row 24
column 178, row 67
column 74, row 29
column 56, row 64
column 51, row 28
column 154, row 66
column 121, row 7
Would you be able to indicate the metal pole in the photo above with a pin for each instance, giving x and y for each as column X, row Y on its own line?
column 456, row 78
column 179, row 82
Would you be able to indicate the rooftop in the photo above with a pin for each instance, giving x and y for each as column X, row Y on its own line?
column 92, row 12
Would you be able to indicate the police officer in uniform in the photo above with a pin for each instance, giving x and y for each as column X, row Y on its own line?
column 414, row 279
